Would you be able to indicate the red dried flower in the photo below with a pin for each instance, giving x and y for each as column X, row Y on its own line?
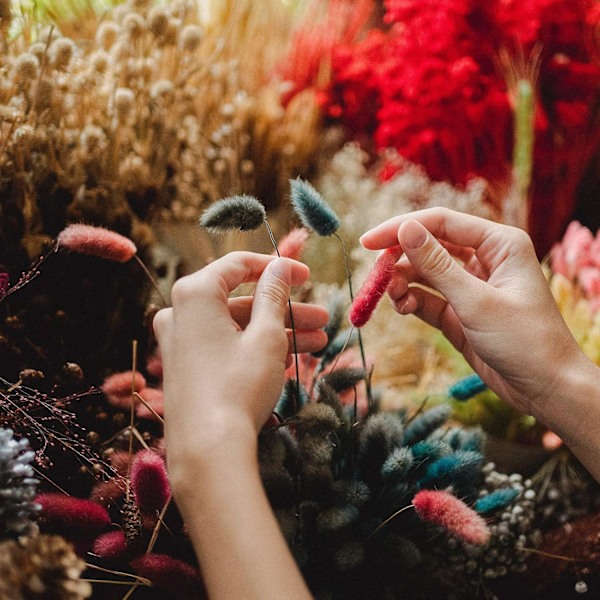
column 451, row 513
column 110, row 545
column 149, row 481
column 73, row 514
column 374, row 287
column 108, row 492
column 179, row 578
column 97, row 241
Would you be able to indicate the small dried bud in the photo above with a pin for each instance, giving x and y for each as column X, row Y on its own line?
column 134, row 25
column 124, row 100
column 158, row 20
column 26, row 67
column 191, row 37
column 99, row 61
column 107, row 34
column 92, row 138
column 162, row 91
column 61, row 52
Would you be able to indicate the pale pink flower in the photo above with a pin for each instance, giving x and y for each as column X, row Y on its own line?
column 574, row 252
column 589, row 279
column 452, row 514
column 118, row 387
column 154, row 398
column 292, row 245
column 97, row 241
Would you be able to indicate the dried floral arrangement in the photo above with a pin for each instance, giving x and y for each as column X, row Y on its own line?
column 439, row 82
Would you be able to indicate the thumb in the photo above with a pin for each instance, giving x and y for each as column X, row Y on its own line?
column 434, row 263
column 271, row 295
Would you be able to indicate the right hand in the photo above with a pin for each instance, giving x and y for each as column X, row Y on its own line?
column 496, row 309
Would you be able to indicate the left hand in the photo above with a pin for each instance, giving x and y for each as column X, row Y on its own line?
column 224, row 358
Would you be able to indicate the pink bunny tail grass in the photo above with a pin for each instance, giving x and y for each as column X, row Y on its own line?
column 110, row 545
column 375, row 285
column 154, row 399
column 117, row 387
column 97, row 241
column 292, row 245
column 451, row 513
column 73, row 514
column 170, row 574
column 149, row 481
column 154, row 366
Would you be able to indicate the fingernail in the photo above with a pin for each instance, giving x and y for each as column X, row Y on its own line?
column 414, row 235
column 281, row 269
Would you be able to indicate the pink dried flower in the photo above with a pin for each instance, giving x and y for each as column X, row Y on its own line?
column 573, row 252
column 154, row 398
column 451, row 513
column 110, row 545
column 292, row 245
column 374, row 287
column 154, row 366
column 73, row 514
column 179, row 578
column 117, row 387
column 149, row 481
column 97, row 241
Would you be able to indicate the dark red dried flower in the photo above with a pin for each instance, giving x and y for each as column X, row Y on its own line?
column 67, row 513
column 110, row 545
column 149, row 481
column 169, row 574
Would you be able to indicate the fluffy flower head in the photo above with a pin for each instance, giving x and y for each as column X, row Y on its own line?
column 449, row 512
column 313, row 211
column 97, row 241
column 242, row 212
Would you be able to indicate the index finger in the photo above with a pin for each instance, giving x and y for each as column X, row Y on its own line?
column 445, row 224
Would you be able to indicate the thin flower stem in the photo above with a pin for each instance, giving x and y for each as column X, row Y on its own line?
column 151, row 278
column 138, row 578
column 297, row 398
column 360, row 341
column 149, row 407
column 389, row 519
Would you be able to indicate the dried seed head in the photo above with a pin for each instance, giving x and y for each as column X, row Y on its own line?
column 172, row 31
column 92, row 138
column 107, row 34
column 97, row 241
column 61, row 52
column 124, row 100
column 26, row 67
column 313, row 211
column 243, row 213
column 191, row 37
column 158, row 20
column 99, row 61
column 162, row 91
column 134, row 26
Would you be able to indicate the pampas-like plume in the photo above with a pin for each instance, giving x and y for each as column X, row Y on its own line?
column 423, row 425
column 381, row 435
column 96, row 241
column 289, row 402
column 292, row 245
column 452, row 514
column 149, row 481
column 467, row 387
column 375, row 285
column 313, row 211
column 496, row 500
column 67, row 513
column 242, row 213
column 317, row 416
column 398, row 463
column 169, row 574
column 430, row 450
column 336, row 309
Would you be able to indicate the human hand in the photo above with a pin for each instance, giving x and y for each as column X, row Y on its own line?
column 496, row 308
column 224, row 358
